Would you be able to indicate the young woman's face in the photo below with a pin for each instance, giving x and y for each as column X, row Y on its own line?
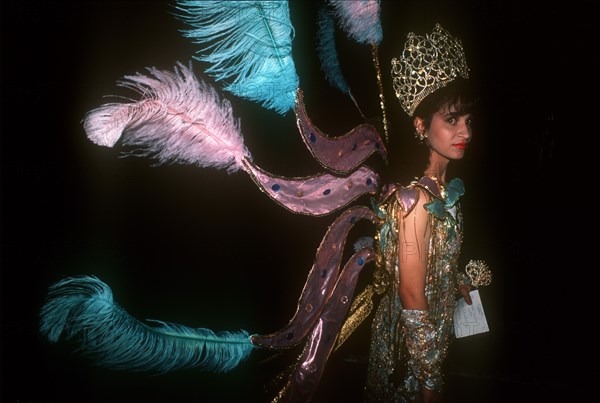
column 449, row 134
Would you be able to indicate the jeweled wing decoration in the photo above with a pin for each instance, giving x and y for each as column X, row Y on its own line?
column 339, row 154
column 315, row 195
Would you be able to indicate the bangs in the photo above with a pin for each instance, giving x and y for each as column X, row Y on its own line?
column 462, row 104
column 458, row 97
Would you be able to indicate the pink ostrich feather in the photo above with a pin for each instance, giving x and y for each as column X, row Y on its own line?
column 178, row 119
column 360, row 19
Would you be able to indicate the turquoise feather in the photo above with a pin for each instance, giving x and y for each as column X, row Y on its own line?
column 328, row 55
column 82, row 309
column 330, row 63
column 248, row 45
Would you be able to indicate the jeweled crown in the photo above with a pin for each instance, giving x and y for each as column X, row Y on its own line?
column 427, row 64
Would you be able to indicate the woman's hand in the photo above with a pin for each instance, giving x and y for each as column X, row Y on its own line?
column 464, row 291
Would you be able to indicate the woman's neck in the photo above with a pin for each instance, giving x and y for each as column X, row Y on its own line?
column 437, row 167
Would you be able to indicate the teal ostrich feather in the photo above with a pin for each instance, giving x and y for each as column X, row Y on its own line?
column 328, row 55
column 248, row 46
column 330, row 63
column 81, row 309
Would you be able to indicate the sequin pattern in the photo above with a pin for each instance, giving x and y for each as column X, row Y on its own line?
column 393, row 375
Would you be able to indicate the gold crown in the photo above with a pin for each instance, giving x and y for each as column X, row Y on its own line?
column 427, row 64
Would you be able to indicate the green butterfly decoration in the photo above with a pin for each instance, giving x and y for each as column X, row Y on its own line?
column 445, row 209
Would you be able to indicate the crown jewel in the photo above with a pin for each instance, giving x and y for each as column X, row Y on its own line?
column 479, row 273
column 427, row 63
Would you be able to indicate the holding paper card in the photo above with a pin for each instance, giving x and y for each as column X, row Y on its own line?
column 470, row 319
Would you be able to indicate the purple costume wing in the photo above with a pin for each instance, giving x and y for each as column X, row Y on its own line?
column 307, row 374
column 328, row 292
column 315, row 195
column 325, row 193
column 338, row 154
column 320, row 283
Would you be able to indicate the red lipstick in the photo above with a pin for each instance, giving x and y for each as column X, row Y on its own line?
column 461, row 146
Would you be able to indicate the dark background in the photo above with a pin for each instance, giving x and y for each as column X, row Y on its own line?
column 207, row 249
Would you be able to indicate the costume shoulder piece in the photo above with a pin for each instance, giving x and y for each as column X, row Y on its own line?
column 407, row 196
column 431, row 185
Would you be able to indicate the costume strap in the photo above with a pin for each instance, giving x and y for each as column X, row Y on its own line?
column 425, row 357
column 375, row 54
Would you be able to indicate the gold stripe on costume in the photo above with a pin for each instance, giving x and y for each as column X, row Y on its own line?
column 375, row 53
column 359, row 311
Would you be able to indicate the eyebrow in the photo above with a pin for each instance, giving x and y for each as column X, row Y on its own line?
column 454, row 114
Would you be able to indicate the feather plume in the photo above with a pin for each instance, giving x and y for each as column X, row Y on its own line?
column 248, row 45
column 330, row 63
column 326, row 50
column 82, row 309
column 360, row 19
column 178, row 119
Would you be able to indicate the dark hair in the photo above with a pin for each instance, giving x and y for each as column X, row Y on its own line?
column 410, row 156
column 458, row 95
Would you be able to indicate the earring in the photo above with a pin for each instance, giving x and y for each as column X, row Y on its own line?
column 421, row 136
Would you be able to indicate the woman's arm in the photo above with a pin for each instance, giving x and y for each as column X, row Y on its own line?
column 414, row 232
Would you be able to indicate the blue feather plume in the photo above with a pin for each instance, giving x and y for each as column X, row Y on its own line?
column 330, row 63
column 248, row 45
column 361, row 19
column 328, row 56
column 82, row 309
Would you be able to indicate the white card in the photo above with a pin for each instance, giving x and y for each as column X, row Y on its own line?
column 470, row 319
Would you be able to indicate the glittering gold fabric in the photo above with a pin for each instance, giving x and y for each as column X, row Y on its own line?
column 361, row 308
column 408, row 347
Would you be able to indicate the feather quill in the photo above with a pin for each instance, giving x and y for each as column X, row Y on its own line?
column 360, row 19
column 178, row 119
column 248, row 45
column 82, row 309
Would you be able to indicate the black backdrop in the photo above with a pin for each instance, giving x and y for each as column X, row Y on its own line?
column 206, row 249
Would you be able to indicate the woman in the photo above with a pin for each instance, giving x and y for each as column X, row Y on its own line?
column 420, row 236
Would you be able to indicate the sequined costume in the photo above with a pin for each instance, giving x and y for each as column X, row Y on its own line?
column 394, row 374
